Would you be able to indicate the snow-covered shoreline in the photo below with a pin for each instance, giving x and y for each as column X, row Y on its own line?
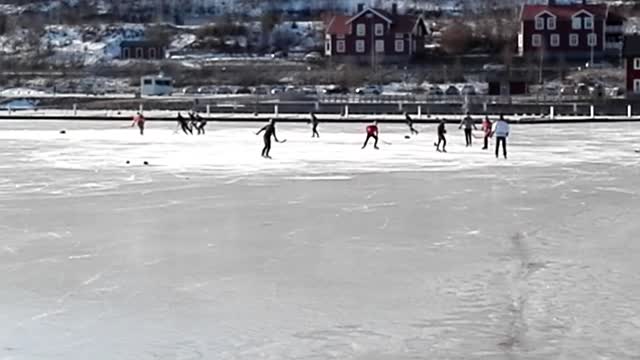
column 170, row 115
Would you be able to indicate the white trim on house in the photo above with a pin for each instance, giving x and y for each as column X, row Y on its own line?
column 341, row 46
column 362, row 27
column 399, row 46
column 636, row 86
column 379, row 46
column 376, row 27
column 360, row 46
column 549, row 27
column 592, row 40
column 576, row 23
column 536, row 40
column 364, row 11
column 583, row 11
column 636, row 63
column 554, row 40
column 539, row 23
column 574, row 40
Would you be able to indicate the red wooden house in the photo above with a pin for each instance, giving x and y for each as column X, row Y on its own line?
column 375, row 35
column 631, row 55
column 570, row 31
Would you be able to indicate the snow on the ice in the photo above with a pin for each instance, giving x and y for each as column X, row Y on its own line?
column 325, row 252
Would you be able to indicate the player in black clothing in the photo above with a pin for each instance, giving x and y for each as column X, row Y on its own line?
column 269, row 130
column 314, row 125
column 441, row 138
column 409, row 122
column 200, row 124
column 184, row 125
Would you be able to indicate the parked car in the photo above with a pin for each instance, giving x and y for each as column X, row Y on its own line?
column 600, row 65
column 189, row 90
column 223, row 91
column 276, row 90
column 309, row 90
column 313, row 57
column 335, row 89
column 452, row 90
column 435, row 90
column 291, row 89
column 582, row 90
column 551, row 91
column 597, row 90
column 260, row 91
column 616, row 91
column 468, row 90
column 567, row 90
column 493, row 67
column 369, row 90
column 242, row 90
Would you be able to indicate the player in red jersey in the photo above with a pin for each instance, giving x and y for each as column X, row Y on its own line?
column 372, row 132
column 138, row 119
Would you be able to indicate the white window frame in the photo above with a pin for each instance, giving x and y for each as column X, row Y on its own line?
column 636, row 63
column 361, row 29
column 341, row 46
column 139, row 53
column 554, row 40
column 592, row 40
column 399, row 46
column 576, row 23
column 327, row 47
column 536, row 40
column 360, row 46
column 551, row 23
column 379, row 46
column 379, row 29
column 636, row 85
column 152, row 53
column 399, row 36
column 574, row 40
column 588, row 25
column 539, row 23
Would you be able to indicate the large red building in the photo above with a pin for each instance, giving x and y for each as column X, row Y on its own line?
column 570, row 31
column 375, row 35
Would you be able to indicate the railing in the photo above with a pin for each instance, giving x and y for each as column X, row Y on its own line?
column 614, row 29
column 613, row 45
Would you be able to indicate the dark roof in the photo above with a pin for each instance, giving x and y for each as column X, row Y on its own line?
column 631, row 45
column 340, row 24
column 563, row 12
column 141, row 43
column 613, row 16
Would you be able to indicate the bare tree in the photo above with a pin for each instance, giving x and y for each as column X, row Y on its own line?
column 456, row 38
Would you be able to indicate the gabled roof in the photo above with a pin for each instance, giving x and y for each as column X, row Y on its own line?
column 380, row 13
column 341, row 24
column 631, row 45
column 563, row 12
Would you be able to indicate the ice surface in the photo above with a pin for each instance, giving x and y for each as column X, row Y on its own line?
column 325, row 252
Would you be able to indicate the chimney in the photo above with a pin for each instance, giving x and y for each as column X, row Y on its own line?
column 394, row 8
column 360, row 7
column 551, row 2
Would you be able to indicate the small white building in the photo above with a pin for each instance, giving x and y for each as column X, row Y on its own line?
column 156, row 85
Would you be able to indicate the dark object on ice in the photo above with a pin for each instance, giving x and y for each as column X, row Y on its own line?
column 407, row 137
column 146, row 163
column 128, row 162
column 63, row 131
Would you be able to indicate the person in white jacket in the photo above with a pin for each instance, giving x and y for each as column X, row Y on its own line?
column 501, row 131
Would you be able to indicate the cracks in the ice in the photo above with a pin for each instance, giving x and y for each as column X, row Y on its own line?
column 515, row 336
